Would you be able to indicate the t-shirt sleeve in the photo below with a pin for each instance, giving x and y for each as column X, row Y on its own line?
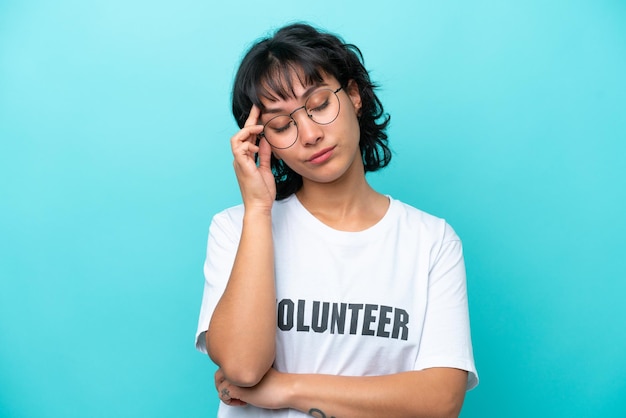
column 221, row 249
column 446, row 339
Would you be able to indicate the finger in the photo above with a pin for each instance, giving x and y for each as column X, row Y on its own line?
column 265, row 154
column 253, row 117
column 224, row 395
column 247, row 134
column 219, row 378
column 230, row 399
column 246, row 150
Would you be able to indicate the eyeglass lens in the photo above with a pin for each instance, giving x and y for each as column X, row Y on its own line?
column 322, row 107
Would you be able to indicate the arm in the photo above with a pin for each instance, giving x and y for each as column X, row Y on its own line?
column 241, row 334
column 436, row 392
column 436, row 387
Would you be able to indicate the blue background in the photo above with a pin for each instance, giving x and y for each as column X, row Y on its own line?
column 508, row 119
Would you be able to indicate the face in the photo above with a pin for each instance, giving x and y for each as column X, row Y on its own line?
column 321, row 153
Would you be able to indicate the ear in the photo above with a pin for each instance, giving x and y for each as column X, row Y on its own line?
column 355, row 97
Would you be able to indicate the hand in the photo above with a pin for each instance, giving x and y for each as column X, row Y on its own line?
column 224, row 388
column 257, row 185
column 270, row 393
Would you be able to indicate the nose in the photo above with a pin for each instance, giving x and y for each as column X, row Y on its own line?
column 309, row 132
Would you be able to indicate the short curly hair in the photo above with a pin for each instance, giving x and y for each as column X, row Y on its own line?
column 267, row 68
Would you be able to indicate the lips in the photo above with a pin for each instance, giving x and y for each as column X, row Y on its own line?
column 323, row 155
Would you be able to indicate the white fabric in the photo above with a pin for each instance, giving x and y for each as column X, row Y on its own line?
column 387, row 299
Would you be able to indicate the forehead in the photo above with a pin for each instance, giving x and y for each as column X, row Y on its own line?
column 280, row 86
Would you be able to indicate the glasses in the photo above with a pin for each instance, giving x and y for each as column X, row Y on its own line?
column 322, row 107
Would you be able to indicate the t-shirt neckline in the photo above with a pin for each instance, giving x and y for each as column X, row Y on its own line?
column 307, row 218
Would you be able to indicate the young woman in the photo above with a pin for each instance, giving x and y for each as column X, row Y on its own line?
column 324, row 297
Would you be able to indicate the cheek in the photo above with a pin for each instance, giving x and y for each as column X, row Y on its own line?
column 276, row 155
column 352, row 127
column 285, row 157
column 350, row 117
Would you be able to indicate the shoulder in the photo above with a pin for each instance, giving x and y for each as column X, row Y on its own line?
column 232, row 213
column 227, row 224
column 423, row 223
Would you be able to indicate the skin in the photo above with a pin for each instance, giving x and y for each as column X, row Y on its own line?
column 246, row 351
column 241, row 335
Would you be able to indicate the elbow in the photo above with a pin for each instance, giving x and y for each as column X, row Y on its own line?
column 240, row 369
column 450, row 412
column 450, row 405
column 448, row 392
column 241, row 364
column 243, row 374
column 441, row 410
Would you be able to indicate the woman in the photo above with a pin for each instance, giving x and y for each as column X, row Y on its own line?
column 322, row 296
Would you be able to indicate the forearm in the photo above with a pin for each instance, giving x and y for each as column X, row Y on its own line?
column 241, row 334
column 430, row 393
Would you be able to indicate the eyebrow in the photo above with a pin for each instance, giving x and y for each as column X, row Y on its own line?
column 306, row 93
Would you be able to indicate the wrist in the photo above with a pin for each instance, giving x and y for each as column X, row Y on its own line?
column 257, row 216
column 257, row 212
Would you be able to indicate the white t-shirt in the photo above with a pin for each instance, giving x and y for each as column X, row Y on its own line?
column 388, row 299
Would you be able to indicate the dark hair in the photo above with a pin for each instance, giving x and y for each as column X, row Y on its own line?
column 266, row 71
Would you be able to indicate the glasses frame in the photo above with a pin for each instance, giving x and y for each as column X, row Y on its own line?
column 290, row 115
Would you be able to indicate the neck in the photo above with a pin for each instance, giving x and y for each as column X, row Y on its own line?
column 344, row 205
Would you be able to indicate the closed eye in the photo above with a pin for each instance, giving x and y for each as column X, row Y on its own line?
column 283, row 128
column 320, row 107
